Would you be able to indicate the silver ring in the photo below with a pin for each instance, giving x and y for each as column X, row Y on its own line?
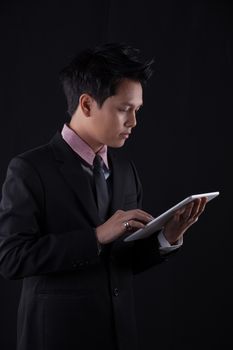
column 127, row 226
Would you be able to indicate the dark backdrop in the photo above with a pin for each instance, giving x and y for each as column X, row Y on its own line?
column 182, row 144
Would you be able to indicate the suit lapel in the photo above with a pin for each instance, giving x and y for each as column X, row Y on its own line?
column 77, row 180
column 75, row 176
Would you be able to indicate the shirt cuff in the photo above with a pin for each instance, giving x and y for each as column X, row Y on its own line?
column 165, row 246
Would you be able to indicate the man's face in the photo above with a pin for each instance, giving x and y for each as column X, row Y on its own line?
column 113, row 122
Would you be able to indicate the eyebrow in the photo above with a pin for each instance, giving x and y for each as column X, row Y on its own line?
column 130, row 104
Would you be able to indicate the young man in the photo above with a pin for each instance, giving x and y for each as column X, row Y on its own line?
column 66, row 206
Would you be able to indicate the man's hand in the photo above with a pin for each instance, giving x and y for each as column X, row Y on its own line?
column 114, row 227
column 183, row 219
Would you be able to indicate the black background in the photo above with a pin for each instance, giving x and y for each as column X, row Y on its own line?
column 182, row 144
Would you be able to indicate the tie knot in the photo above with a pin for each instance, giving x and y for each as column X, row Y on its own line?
column 98, row 162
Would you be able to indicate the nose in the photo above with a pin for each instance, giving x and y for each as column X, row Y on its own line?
column 131, row 120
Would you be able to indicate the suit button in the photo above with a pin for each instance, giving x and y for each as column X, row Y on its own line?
column 82, row 264
column 116, row 292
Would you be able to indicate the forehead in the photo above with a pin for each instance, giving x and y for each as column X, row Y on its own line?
column 128, row 92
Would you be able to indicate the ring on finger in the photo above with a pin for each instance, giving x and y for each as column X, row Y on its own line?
column 127, row 225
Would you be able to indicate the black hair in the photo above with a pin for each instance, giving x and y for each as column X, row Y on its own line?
column 98, row 71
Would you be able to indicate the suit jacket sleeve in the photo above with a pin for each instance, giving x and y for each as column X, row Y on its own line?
column 26, row 250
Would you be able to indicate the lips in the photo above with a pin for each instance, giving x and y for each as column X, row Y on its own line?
column 125, row 135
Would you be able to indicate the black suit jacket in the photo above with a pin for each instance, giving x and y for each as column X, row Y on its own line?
column 72, row 297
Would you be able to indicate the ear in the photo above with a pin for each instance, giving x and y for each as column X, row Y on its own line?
column 85, row 103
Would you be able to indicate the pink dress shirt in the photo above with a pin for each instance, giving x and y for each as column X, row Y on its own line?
column 81, row 147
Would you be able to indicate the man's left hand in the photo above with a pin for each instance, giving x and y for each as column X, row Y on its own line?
column 183, row 219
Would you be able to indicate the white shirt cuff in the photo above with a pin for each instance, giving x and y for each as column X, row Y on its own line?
column 165, row 246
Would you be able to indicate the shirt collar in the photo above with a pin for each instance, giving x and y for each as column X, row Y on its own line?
column 80, row 147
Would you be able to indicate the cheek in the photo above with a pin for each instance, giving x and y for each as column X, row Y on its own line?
column 110, row 124
column 114, row 123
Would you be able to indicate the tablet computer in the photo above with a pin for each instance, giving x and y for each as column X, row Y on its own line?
column 157, row 223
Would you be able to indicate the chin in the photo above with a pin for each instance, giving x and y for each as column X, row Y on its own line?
column 116, row 144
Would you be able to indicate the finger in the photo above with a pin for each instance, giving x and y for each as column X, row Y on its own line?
column 139, row 211
column 183, row 210
column 184, row 213
column 201, row 207
column 195, row 208
column 134, row 225
column 188, row 211
column 139, row 215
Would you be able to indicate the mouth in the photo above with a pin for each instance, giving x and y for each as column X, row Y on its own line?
column 125, row 135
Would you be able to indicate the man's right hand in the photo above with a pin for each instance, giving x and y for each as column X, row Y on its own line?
column 115, row 227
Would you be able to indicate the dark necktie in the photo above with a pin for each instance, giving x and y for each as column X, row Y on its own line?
column 101, row 188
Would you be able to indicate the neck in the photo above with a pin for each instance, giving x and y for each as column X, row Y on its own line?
column 95, row 146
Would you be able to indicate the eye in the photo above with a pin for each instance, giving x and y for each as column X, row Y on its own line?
column 122, row 110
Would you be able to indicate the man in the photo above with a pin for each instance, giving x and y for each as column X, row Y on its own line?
column 67, row 205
